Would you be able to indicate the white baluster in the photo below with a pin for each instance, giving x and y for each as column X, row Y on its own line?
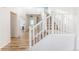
column 49, row 24
column 33, row 36
column 53, row 20
column 30, row 37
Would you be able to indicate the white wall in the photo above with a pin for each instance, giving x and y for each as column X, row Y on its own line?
column 4, row 27
column 55, row 42
column 76, row 26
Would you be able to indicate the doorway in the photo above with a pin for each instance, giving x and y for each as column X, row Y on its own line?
column 13, row 24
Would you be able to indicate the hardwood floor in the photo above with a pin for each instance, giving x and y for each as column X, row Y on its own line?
column 18, row 44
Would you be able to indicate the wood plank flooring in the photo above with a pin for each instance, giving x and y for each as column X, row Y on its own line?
column 18, row 44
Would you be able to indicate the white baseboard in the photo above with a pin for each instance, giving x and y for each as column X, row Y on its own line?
column 6, row 43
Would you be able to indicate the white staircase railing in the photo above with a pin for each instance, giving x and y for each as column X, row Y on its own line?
column 39, row 31
column 51, row 24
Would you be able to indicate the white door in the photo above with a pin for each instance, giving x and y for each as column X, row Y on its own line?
column 13, row 24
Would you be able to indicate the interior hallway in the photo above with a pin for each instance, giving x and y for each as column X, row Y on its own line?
column 18, row 44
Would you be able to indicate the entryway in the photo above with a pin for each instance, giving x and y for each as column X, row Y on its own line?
column 17, row 43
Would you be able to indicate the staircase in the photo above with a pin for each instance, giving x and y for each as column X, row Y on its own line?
column 40, row 30
column 50, row 25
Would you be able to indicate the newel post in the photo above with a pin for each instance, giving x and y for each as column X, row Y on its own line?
column 30, row 37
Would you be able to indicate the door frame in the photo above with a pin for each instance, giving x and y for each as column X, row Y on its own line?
column 11, row 12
